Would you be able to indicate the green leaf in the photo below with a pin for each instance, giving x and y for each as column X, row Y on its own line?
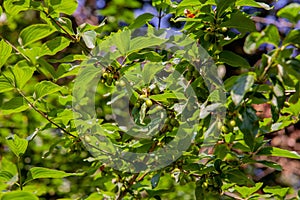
column 22, row 75
column 17, row 145
column 46, row 68
column 15, row 105
column 89, row 38
column 62, row 6
column 19, row 195
column 122, row 40
column 149, row 71
column 242, row 85
column 5, row 85
column 5, row 176
column 252, row 3
column 292, row 37
column 9, row 166
column 290, row 12
column 238, row 177
column 163, row 97
column 155, row 180
column 41, row 172
column 222, row 5
column 141, row 20
column 34, row 33
column 276, row 190
column 69, row 58
column 45, row 88
column 248, row 124
column 5, row 51
column 274, row 151
column 233, row 59
column 247, row 191
column 55, row 45
column 66, row 23
column 145, row 42
column 13, row 7
column 270, row 164
column 235, row 22
column 269, row 35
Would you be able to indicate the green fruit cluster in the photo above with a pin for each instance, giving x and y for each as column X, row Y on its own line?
column 211, row 183
column 170, row 123
column 111, row 76
column 229, row 125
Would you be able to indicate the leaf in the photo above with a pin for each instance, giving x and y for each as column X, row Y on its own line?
column 9, row 166
column 292, row 37
column 19, row 195
column 63, row 6
column 45, row 88
column 89, row 38
column 34, row 33
column 17, row 145
column 155, row 180
column 5, row 176
column 41, row 172
column 53, row 46
column 235, row 22
column 145, row 42
column 241, row 87
column 66, row 23
column 141, row 20
column 222, row 5
column 69, row 58
column 248, row 124
column 46, row 68
column 149, row 71
column 247, row 191
column 270, row 164
column 290, row 12
column 269, row 35
column 274, row 151
column 5, row 85
column 5, row 51
column 13, row 7
column 233, row 59
column 238, row 177
column 122, row 40
column 15, row 105
column 22, row 75
column 276, row 190
column 252, row 3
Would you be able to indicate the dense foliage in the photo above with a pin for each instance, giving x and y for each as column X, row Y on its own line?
column 174, row 94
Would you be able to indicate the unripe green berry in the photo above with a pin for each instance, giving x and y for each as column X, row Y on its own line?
column 224, row 29
column 149, row 103
column 232, row 123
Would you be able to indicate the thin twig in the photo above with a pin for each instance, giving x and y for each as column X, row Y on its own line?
column 15, row 48
column 44, row 114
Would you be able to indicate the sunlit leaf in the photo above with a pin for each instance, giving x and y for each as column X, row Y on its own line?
column 19, row 195
column 290, row 12
column 45, row 88
column 247, row 191
column 55, row 45
column 274, row 151
column 17, row 145
column 34, row 33
column 5, row 51
column 41, row 172
column 15, row 105
column 241, row 87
